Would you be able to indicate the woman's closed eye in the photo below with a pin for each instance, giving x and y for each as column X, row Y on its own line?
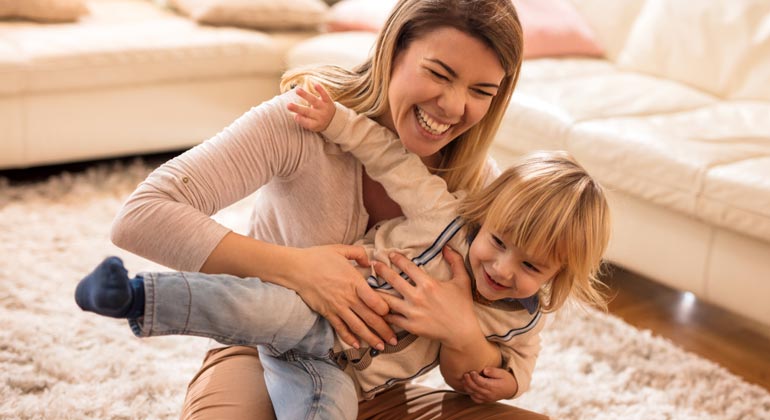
column 438, row 75
column 482, row 92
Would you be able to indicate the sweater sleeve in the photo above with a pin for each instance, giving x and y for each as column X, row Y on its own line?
column 520, row 354
column 403, row 175
column 167, row 218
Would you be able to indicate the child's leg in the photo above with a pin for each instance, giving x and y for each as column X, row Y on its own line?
column 228, row 309
column 308, row 388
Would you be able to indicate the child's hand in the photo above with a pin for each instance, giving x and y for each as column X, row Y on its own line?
column 496, row 384
column 319, row 111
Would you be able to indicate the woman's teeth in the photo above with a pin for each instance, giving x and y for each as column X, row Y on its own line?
column 429, row 124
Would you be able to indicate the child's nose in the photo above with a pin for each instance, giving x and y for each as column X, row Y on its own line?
column 505, row 269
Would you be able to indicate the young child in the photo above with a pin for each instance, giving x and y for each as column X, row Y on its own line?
column 532, row 238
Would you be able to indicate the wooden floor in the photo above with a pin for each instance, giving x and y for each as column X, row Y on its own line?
column 739, row 344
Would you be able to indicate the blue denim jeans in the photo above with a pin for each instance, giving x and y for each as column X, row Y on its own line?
column 294, row 342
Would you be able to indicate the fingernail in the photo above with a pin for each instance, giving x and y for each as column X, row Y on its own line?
column 356, row 345
column 380, row 346
column 393, row 341
column 392, row 255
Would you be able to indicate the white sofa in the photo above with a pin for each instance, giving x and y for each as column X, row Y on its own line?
column 674, row 121
column 131, row 77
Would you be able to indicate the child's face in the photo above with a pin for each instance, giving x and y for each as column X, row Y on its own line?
column 502, row 270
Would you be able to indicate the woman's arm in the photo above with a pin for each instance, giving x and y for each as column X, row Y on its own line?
column 167, row 220
column 168, row 217
column 325, row 280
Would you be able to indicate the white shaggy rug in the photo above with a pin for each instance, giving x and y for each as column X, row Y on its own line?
column 57, row 362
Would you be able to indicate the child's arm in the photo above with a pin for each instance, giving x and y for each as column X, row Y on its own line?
column 490, row 385
column 512, row 378
column 403, row 175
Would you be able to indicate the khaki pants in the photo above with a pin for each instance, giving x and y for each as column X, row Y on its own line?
column 230, row 385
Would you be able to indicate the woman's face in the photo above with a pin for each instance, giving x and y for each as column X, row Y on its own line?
column 441, row 85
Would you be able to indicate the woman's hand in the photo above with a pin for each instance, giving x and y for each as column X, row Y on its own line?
column 494, row 384
column 331, row 286
column 430, row 308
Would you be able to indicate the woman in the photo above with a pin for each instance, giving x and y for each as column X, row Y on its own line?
column 441, row 76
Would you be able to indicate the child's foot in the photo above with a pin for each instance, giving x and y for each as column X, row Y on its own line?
column 108, row 291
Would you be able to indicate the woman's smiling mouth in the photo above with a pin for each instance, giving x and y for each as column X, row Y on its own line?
column 429, row 124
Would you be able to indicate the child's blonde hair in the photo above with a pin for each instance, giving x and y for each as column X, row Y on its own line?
column 547, row 203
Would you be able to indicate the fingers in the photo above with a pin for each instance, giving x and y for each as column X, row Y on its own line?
column 376, row 323
column 354, row 253
column 361, row 330
column 494, row 373
column 454, row 258
column 316, row 113
column 477, row 387
column 394, row 279
column 304, row 116
column 396, row 305
column 373, row 300
column 407, row 266
column 343, row 331
column 313, row 100
column 323, row 93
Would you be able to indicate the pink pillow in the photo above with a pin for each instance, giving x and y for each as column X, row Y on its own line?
column 358, row 15
column 553, row 28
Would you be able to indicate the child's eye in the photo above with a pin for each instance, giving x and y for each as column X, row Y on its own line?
column 530, row 266
column 498, row 242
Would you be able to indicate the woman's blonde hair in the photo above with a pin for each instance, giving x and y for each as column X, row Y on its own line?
column 547, row 204
column 365, row 88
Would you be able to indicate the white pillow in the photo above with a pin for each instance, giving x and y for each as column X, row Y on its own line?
column 256, row 14
column 714, row 45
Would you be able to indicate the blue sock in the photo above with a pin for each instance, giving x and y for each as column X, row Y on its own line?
column 108, row 291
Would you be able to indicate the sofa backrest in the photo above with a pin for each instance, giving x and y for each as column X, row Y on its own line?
column 611, row 21
column 719, row 46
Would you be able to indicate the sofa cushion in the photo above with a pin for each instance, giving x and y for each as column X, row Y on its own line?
column 344, row 49
column 257, row 14
column 128, row 42
column 43, row 10
column 710, row 163
column 611, row 21
column 542, row 69
column 713, row 45
column 542, row 112
column 737, row 196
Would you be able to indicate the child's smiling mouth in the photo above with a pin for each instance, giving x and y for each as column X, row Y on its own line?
column 495, row 285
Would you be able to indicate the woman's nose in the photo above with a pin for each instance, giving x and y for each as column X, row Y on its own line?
column 452, row 103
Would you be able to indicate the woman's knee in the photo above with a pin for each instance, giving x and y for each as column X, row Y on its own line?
column 229, row 384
